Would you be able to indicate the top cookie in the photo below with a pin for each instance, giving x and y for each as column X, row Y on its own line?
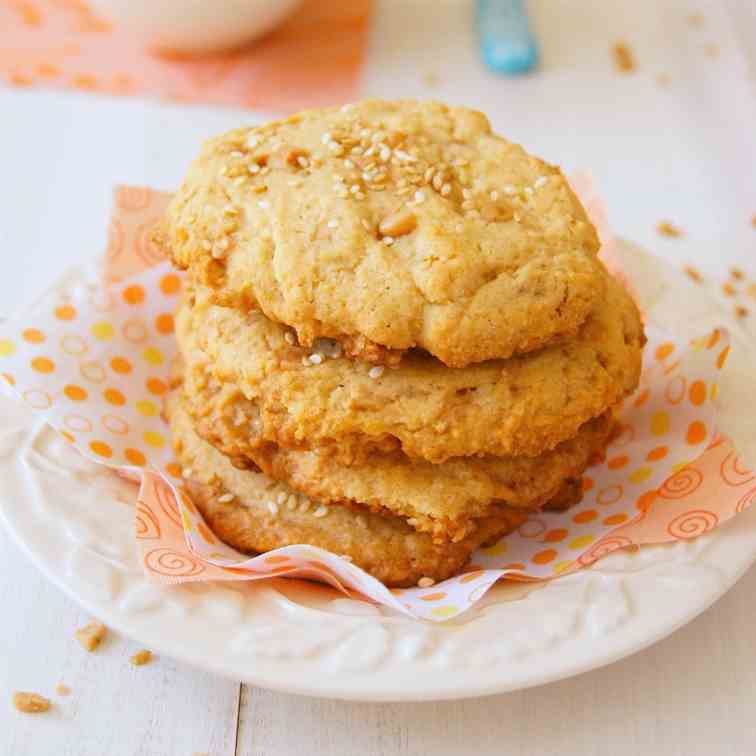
column 388, row 226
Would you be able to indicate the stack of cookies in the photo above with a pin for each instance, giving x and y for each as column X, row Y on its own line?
column 396, row 338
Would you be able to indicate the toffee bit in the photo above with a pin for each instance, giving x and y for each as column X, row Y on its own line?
column 624, row 60
column 30, row 703
column 665, row 228
column 693, row 274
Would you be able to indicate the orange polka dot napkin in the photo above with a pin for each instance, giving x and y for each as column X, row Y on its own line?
column 312, row 59
column 95, row 360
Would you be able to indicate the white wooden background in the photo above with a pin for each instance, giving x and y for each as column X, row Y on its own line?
column 687, row 154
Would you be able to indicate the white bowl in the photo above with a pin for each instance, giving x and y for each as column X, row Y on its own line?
column 195, row 26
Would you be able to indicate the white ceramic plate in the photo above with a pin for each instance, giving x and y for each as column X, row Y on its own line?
column 75, row 520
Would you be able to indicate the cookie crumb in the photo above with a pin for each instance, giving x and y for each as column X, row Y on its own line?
column 140, row 658
column 728, row 289
column 753, row 220
column 751, row 291
column 696, row 20
column 62, row 690
column 665, row 228
column 711, row 51
column 663, row 80
column 30, row 703
column 692, row 273
column 624, row 60
column 90, row 636
column 740, row 311
column 737, row 273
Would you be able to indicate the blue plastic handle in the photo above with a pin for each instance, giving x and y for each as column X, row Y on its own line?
column 506, row 42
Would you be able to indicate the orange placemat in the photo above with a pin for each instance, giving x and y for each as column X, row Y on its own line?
column 313, row 59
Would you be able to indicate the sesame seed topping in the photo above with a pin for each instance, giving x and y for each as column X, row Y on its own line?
column 321, row 511
column 252, row 141
column 281, row 498
column 425, row 582
column 347, row 164
column 227, row 497
column 388, row 240
column 333, row 224
column 376, row 372
column 446, row 190
column 419, row 196
column 385, row 154
column 187, row 472
column 272, row 507
column 360, row 196
column 354, row 188
column 316, row 358
column 540, row 181
column 509, row 189
column 302, row 161
column 264, row 204
column 253, row 168
column 326, row 137
column 528, row 190
column 289, row 338
column 494, row 195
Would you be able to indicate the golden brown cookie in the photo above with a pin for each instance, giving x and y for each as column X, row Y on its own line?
column 521, row 406
column 444, row 500
column 253, row 513
column 389, row 226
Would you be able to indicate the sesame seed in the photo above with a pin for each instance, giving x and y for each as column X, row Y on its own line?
column 385, row 154
column 357, row 150
column 459, row 228
column 265, row 170
column 509, row 189
column 289, row 337
column 316, row 358
column 528, row 190
column 264, row 204
column 321, row 511
column 253, row 168
column 304, row 504
column 295, row 182
column 291, row 503
column 281, row 498
column 225, row 498
column 376, row 372
column 272, row 507
column 347, row 164
column 206, row 245
column 370, row 151
column 402, row 155
column 223, row 170
column 306, row 362
column 388, row 240
column 425, row 582
column 494, row 195
column 354, row 188
column 446, row 190
column 467, row 194
column 326, row 137
column 540, row 181
column 428, row 175
column 360, row 196
column 187, row 472
column 252, row 141
column 230, row 210
column 333, row 224
column 302, row 161
column 419, row 196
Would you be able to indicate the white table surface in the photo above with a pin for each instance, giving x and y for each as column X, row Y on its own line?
column 685, row 153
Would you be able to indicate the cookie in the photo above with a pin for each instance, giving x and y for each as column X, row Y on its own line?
column 444, row 500
column 389, row 226
column 263, row 515
column 316, row 399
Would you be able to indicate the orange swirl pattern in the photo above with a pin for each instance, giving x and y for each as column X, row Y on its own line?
column 173, row 564
column 733, row 472
column 603, row 547
column 681, row 484
column 692, row 524
column 746, row 501
column 147, row 523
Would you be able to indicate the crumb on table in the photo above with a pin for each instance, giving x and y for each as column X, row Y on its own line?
column 30, row 703
column 740, row 311
column 62, row 690
column 666, row 228
column 751, row 291
column 753, row 220
column 728, row 289
column 90, row 636
column 662, row 79
column 737, row 273
column 624, row 60
column 711, row 50
column 692, row 273
column 141, row 658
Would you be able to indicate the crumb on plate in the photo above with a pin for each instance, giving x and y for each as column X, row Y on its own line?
column 666, row 228
column 737, row 273
column 624, row 60
column 140, row 658
column 30, row 703
column 692, row 273
column 740, row 311
column 728, row 289
column 90, row 636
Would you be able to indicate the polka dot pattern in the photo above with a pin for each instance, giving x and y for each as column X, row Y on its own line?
column 98, row 365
